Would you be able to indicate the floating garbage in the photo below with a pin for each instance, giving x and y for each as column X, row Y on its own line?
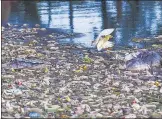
column 81, row 69
column 46, row 70
column 152, row 58
column 130, row 116
column 34, row 115
column 13, row 92
column 99, row 91
column 138, row 40
column 37, row 25
column 142, row 60
column 87, row 59
column 80, row 110
column 137, row 64
column 68, row 98
column 64, row 116
column 157, row 83
column 19, row 83
column 157, row 45
column 131, row 56
column 20, row 63
column 52, row 108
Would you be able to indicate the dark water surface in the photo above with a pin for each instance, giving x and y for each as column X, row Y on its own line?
column 132, row 19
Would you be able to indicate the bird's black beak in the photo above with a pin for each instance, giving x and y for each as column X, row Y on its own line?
column 92, row 43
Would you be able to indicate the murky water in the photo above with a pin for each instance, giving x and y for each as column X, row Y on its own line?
column 133, row 19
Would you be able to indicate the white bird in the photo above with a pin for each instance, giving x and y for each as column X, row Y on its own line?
column 102, row 40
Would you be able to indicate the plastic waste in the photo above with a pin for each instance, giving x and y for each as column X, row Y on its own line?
column 34, row 115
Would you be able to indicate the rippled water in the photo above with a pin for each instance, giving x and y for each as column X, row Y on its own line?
column 133, row 19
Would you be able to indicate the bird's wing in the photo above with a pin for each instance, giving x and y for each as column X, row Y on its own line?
column 100, row 44
column 103, row 33
column 103, row 45
column 106, row 32
column 108, row 44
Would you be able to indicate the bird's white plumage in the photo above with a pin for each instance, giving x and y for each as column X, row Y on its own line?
column 105, row 32
column 103, row 43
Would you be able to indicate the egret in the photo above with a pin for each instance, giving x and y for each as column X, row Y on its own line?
column 102, row 40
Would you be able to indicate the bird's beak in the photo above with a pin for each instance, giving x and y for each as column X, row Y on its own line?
column 93, row 42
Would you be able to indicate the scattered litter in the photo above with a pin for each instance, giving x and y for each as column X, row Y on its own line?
column 86, row 59
column 33, row 88
column 34, row 115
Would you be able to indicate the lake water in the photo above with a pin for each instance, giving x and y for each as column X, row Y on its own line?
column 131, row 19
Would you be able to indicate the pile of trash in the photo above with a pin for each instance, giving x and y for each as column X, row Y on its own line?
column 42, row 78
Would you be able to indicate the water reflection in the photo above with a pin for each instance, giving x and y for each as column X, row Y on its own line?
column 31, row 13
column 105, row 21
column 6, row 9
column 49, row 13
column 119, row 10
column 71, row 15
column 130, row 18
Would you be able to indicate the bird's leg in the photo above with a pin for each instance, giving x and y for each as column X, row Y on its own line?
column 117, row 63
column 151, row 69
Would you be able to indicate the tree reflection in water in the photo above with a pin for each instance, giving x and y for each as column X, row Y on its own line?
column 132, row 19
column 6, row 10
